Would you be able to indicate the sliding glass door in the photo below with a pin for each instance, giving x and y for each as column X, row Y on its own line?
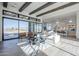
column 23, row 29
column 35, row 27
column 10, row 28
column 13, row 28
column 31, row 27
column 39, row 27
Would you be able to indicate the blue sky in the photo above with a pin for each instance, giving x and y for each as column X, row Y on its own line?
column 9, row 23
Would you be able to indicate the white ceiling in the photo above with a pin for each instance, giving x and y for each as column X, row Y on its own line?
column 61, row 12
column 35, row 5
column 51, row 7
column 15, row 5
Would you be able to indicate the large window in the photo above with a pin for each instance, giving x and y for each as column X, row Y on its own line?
column 35, row 27
column 10, row 28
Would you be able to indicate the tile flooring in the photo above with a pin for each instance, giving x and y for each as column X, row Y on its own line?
column 10, row 48
column 66, row 47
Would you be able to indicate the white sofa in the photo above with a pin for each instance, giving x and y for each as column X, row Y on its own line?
column 53, row 37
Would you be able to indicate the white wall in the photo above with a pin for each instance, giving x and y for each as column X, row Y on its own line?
column 0, row 22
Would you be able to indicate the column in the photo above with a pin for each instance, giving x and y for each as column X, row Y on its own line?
column 77, row 24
